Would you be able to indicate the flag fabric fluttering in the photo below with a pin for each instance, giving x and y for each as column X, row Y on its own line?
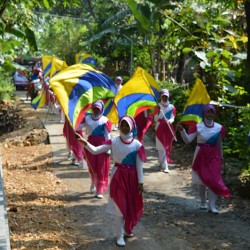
column 193, row 110
column 77, row 87
column 86, row 59
column 140, row 93
column 46, row 65
column 57, row 65
column 40, row 100
column 110, row 110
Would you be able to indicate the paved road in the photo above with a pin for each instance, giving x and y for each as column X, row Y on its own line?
column 171, row 219
column 95, row 228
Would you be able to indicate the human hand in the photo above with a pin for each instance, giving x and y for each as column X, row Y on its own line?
column 167, row 121
column 140, row 187
column 81, row 139
column 179, row 127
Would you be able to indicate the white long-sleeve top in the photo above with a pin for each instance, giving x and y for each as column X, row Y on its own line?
column 122, row 153
column 166, row 112
column 205, row 135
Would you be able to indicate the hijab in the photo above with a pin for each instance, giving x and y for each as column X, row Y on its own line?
column 99, row 105
column 132, row 125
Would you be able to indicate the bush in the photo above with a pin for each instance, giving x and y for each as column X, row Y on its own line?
column 7, row 88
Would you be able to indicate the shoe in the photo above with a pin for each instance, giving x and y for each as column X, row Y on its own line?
column 74, row 163
column 99, row 196
column 120, row 242
column 70, row 156
column 203, row 206
column 213, row 211
column 166, row 170
column 128, row 235
column 92, row 188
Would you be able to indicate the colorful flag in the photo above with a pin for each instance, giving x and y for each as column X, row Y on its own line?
column 77, row 87
column 110, row 110
column 140, row 93
column 46, row 65
column 193, row 110
column 57, row 65
column 40, row 100
column 86, row 59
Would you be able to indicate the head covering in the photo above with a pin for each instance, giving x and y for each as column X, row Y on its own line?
column 131, row 122
column 164, row 92
column 208, row 107
column 118, row 78
column 100, row 105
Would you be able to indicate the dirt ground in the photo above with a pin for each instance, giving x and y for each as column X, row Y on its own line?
column 50, row 206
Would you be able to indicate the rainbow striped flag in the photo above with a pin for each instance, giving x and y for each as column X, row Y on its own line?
column 57, row 65
column 193, row 110
column 140, row 93
column 86, row 59
column 77, row 87
column 46, row 65
column 40, row 100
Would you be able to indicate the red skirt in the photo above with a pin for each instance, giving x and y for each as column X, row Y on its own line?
column 165, row 136
column 125, row 193
column 73, row 143
column 207, row 165
column 98, row 165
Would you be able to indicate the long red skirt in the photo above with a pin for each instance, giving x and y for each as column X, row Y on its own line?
column 98, row 165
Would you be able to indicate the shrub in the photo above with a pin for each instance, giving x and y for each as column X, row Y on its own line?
column 7, row 88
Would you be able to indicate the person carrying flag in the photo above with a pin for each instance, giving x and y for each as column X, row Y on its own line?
column 143, row 121
column 98, row 129
column 118, row 84
column 208, row 156
column 126, row 184
column 165, row 133
column 73, row 146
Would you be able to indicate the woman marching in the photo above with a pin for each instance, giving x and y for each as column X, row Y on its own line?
column 126, row 185
column 98, row 129
column 207, row 158
column 165, row 132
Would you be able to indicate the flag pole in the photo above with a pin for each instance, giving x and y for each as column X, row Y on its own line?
column 168, row 125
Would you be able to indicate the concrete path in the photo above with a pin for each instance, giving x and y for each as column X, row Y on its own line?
column 88, row 213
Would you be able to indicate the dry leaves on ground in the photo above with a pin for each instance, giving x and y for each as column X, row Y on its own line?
column 35, row 201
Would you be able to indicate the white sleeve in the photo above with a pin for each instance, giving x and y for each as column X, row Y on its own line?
column 171, row 120
column 139, row 169
column 188, row 138
column 107, row 134
column 97, row 150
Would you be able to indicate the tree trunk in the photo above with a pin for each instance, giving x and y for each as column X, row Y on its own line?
column 3, row 7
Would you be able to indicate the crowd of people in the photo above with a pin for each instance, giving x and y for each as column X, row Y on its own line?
column 92, row 145
column 125, row 199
